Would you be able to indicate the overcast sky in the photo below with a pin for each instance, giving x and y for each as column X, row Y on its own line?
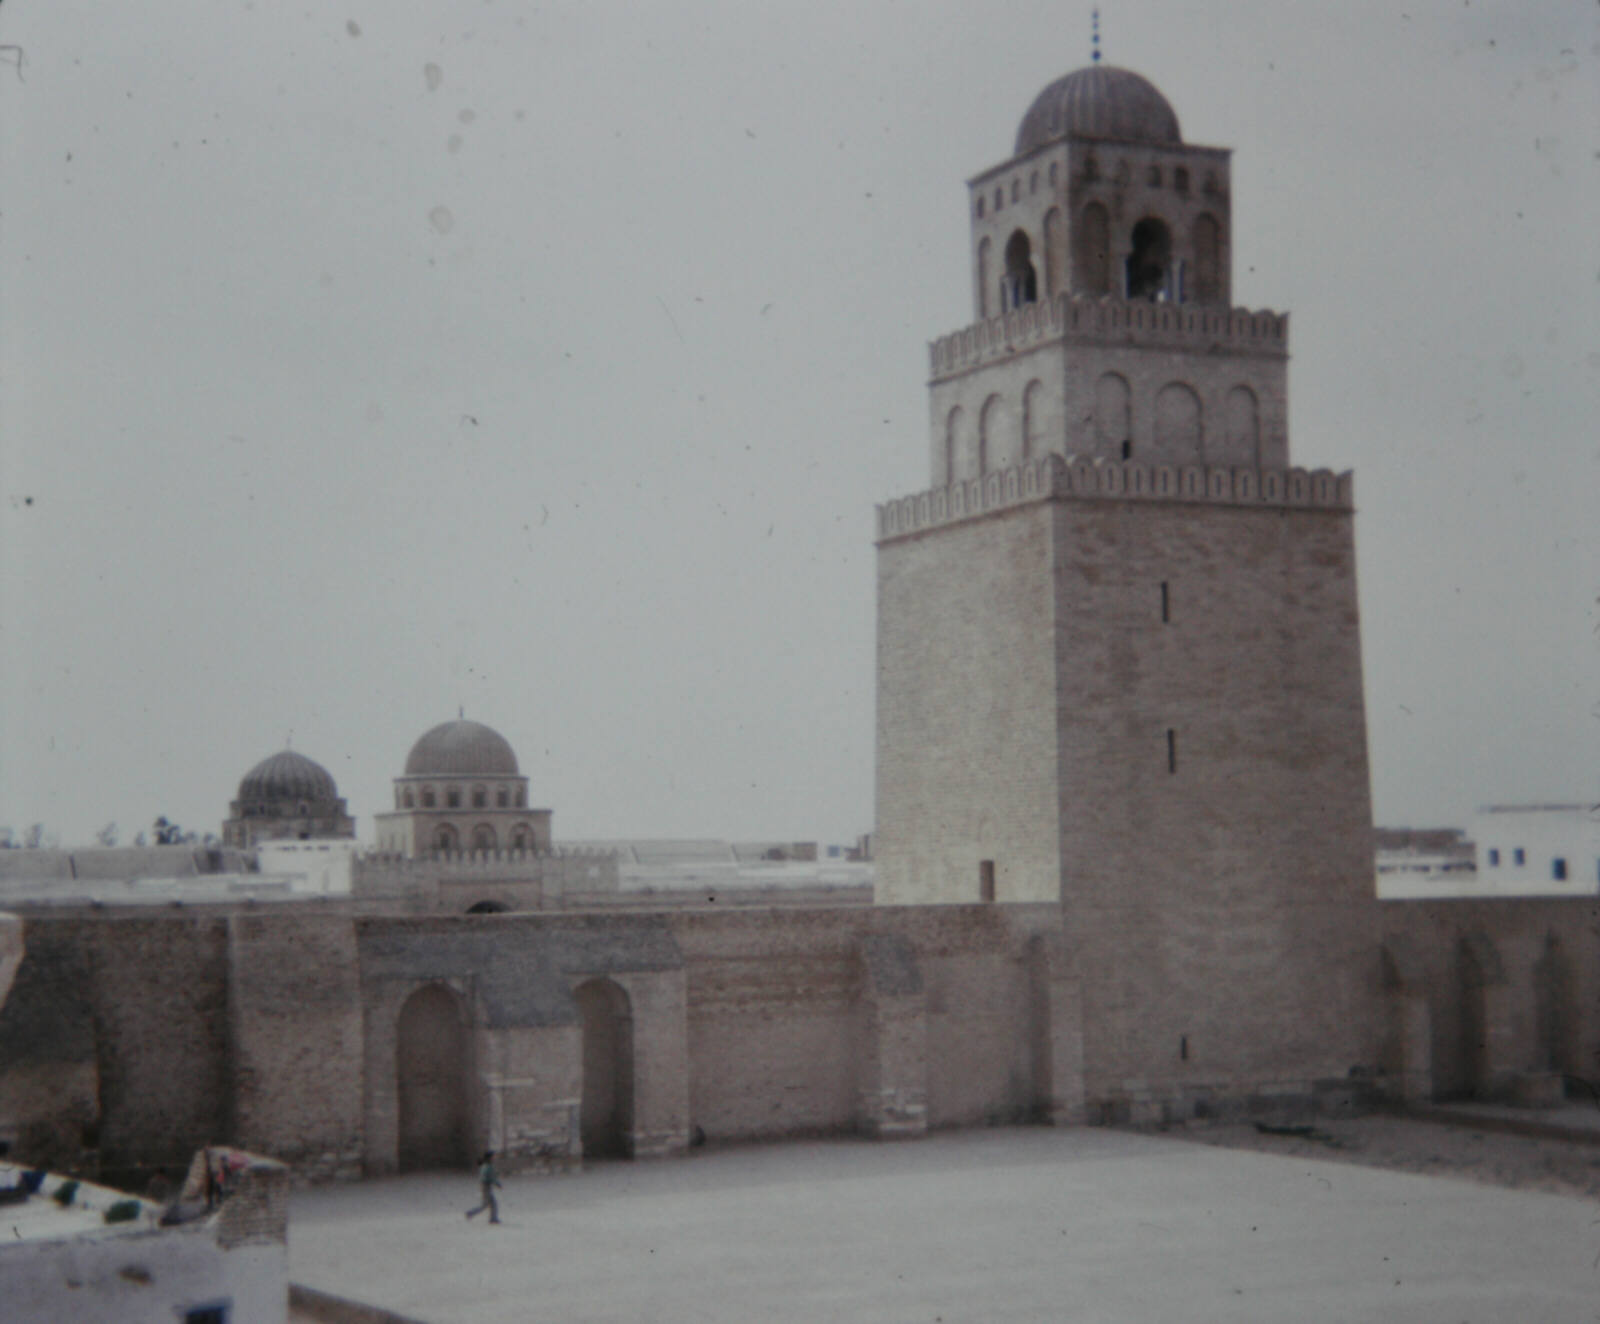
column 359, row 362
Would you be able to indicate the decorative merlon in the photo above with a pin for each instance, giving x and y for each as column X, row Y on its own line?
column 1080, row 477
column 1107, row 321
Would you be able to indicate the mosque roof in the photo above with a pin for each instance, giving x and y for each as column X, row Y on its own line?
column 461, row 748
column 1099, row 101
column 288, row 775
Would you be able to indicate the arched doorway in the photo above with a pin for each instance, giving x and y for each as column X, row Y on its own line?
column 431, row 1061
column 605, row 1119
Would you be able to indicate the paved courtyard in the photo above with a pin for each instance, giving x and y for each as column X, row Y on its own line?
column 1029, row 1224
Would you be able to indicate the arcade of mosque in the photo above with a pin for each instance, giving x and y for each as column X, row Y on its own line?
column 1123, row 835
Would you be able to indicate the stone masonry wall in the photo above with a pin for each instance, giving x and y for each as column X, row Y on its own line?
column 966, row 686
column 160, row 997
column 1506, row 986
column 1216, row 839
column 294, row 1017
column 783, row 1006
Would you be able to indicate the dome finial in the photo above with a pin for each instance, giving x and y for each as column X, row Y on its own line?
column 1094, row 40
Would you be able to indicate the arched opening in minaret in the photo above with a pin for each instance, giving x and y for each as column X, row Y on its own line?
column 1149, row 264
column 1021, row 284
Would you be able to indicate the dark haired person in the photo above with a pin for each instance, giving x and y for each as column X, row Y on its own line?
column 488, row 1179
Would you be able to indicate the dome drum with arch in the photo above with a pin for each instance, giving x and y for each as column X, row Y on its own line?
column 461, row 793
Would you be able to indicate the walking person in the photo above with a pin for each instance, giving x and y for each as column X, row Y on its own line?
column 488, row 1179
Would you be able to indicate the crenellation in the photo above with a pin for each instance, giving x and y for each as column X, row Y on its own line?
column 1131, row 322
column 1052, row 477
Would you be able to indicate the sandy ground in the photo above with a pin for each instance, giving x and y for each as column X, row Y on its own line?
column 1030, row 1224
column 1457, row 1151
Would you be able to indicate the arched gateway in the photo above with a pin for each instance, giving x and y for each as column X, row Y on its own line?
column 605, row 1120
column 431, row 1065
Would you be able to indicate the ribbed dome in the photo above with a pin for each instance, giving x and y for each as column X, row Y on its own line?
column 288, row 776
column 461, row 749
column 1099, row 101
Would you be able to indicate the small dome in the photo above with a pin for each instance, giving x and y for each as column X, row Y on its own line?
column 461, row 749
column 1099, row 101
column 288, row 776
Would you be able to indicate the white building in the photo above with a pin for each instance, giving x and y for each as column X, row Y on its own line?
column 1538, row 850
column 78, row 1251
column 321, row 866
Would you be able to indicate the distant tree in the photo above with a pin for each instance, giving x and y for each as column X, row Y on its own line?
column 7, row 841
column 35, row 837
column 107, row 836
column 141, row 840
column 167, row 834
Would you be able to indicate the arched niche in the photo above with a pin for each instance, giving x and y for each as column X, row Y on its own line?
column 1178, row 424
column 1113, row 413
column 992, row 443
column 1554, row 1049
column 446, row 838
column 1032, row 430
column 1205, row 238
column 1093, row 258
column 985, row 248
column 1242, row 430
column 1053, row 248
column 432, row 1084
column 955, row 449
column 605, row 1115
column 484, row 838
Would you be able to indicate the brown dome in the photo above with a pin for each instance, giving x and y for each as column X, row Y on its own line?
column 461, row 749
column 1099, row 101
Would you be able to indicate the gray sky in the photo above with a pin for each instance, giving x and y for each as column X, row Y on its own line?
column 358, row 362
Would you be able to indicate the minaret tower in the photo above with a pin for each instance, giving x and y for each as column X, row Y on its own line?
column 1118, row 645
